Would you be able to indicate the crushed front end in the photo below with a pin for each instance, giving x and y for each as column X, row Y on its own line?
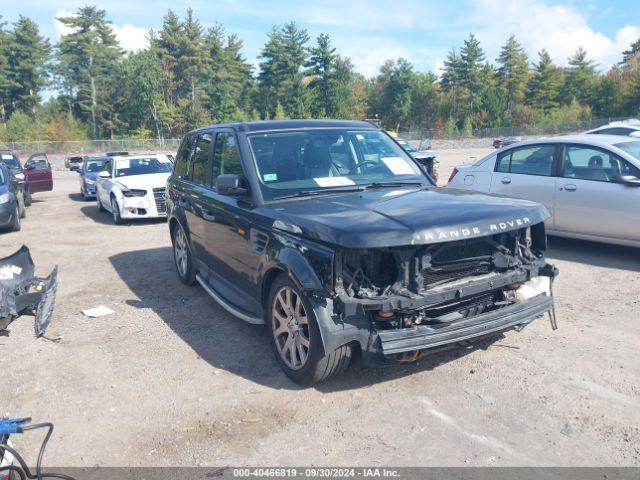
column 21, row 292
column 419, row 297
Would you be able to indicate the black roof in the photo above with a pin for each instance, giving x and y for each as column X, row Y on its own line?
column 268, row 125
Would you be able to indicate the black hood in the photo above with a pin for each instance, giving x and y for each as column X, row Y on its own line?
column 389, row 217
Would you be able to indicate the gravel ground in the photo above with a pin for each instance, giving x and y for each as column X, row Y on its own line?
column 172, row 379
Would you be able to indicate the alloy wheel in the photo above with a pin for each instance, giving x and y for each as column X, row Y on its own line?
column 290, row 328
column 180, row 252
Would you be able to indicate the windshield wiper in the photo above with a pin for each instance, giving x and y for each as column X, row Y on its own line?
column 322, row 191
column 392, row 184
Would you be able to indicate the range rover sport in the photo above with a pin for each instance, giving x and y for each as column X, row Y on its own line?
column 330, row 234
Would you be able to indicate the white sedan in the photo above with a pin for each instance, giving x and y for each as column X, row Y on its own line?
column 134, row 186
column 589, row 183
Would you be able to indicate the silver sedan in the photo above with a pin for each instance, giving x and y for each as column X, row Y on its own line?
column 590, row 183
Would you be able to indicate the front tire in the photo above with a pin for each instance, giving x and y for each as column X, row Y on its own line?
column 115, row 211
column 98, row 202
column 296, row 337
column 16, row 226
column 182, row 256
column 27, row 198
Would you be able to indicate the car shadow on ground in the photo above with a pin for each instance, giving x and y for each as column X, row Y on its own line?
column 77, row 197
column 595, row 254
column 105, row 218
column 230, row 344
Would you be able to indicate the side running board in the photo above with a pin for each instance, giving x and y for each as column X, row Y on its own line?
column 229, row 308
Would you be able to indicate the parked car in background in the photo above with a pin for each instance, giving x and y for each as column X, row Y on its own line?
column 12, row 207
column 629, row 128
column 590, row 183
column 332, row 235
column 506, row 141
column 133, row 186
column 425, row 157
column 88, row 172
column 38, row 175
column 73, row 163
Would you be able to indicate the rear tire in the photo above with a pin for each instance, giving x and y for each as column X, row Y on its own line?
column 182, row 257
column 296, row 338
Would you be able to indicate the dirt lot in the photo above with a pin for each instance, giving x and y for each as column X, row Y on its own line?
column 172, row 379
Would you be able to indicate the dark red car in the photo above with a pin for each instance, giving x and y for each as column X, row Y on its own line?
column 36, row 172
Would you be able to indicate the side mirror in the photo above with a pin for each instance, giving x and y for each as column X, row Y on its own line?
column 30, row 166
column 629, row 180
column 230, row 184
column 104, row 174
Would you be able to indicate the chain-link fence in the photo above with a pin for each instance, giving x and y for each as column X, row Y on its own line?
column 83, row 147
column 546, row 128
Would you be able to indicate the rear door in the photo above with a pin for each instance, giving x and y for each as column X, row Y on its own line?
column 528, row 172
column 196, row 191
column 589, row 201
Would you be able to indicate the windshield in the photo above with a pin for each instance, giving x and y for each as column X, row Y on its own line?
column 632, row 148
column 10, row 160
column 141, row 166
column 296, row 161
column 95, row 165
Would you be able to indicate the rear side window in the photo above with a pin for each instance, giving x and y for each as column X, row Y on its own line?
column 181, row 167
column 529, row 160
column 201, row 167
column 226, row 159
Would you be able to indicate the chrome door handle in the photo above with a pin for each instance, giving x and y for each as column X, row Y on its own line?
column 506, row 180
column 570, row 188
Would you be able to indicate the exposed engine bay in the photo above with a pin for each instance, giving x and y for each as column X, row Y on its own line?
column 444, row 282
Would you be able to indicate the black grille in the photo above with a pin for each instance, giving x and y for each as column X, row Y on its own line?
column 159, row 196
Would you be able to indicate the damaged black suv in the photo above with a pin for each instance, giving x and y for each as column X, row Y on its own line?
column 329, row 232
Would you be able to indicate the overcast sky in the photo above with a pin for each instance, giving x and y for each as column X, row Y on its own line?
column 370, row 31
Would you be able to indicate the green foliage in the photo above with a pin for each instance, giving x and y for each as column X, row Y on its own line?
column 23, row 127
column 191, row 75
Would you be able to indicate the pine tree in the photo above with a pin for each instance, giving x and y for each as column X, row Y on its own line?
column 281, row 77
column 451, row 82
column 27, row 65
column 473, row 75
column 86, row 57
column 4, row 69
column 513, row 72
column 321, row 65
column 580, row 78
column 632, row 54
column 545, row 83
column 166, row 44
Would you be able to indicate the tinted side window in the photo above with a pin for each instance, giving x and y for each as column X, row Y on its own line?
column 181, row 167
column 616, row 131
column 201, row 166
column 529, row 160
column 502, row 165
column 226, row 159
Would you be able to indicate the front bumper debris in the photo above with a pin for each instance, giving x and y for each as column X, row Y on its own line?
column 23, row 293
column 424, row 337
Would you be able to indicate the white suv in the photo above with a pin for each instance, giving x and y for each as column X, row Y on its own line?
column 134, row 186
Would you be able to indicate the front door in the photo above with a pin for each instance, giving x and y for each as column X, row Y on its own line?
column 590, row 201
column 38, row 174
column 527, row 172
column 227, row 232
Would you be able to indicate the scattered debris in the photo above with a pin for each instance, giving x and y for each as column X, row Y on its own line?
column 566, row 430
column 481, row 396
column 99, row 311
